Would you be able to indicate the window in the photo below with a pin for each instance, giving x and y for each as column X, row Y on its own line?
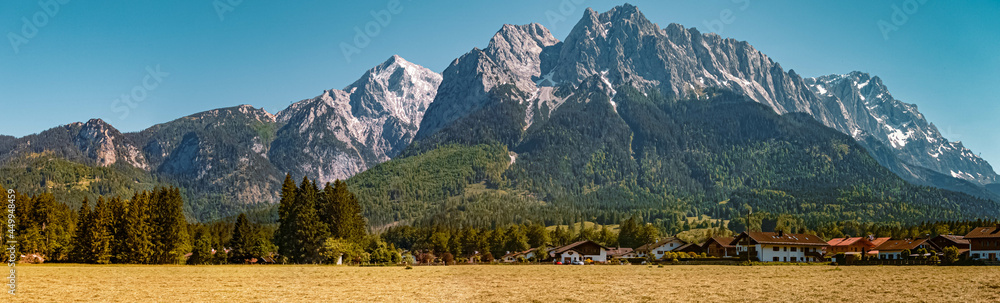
column 777, row 248
column 775, row 259
column 793, row 249
column 793, row 259
column 786, row 248
column 786, row 259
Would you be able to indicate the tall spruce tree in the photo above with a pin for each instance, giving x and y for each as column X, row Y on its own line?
column 310, row 231
column 135, row 234
column 170, row 234
column 117, row 228
column 350, row 222
column 100, row 234
column 330, row 209
column 285, row 235
column 82, row 243
column 243, row 242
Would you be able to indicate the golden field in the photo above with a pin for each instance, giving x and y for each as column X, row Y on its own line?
column 504, row 283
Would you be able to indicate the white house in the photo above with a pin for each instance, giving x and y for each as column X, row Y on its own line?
column 660, row 247
column 580, row 251
column 890, row 250
column 512, row 257
column 781, row 247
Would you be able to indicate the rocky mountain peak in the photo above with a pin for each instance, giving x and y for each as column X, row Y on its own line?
column 867, row 108
column 395, row 88
column 342, row 132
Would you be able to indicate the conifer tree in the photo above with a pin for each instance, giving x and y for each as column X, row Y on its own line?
column 285, row 235
column 330, row 208
column 350, row 222
column 202, row 251
column 310, row 231
column 100, row 235
column 136, row 235
column 170, row 234
column 82, row 243
column 117, row 228
column 244, row 241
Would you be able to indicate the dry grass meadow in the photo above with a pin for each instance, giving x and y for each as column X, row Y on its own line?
column 498, row 283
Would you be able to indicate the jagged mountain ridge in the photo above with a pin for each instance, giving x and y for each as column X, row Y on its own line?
column 94, row 142
column 524, row 73
column 868, row 108
column 622, row 47
column 228, row 158
column 343, row 132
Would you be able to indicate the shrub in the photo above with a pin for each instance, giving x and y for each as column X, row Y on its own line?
column 951, row 255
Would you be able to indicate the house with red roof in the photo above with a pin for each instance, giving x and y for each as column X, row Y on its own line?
column 849, row 245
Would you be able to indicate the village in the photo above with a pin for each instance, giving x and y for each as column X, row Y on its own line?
column 981, row 246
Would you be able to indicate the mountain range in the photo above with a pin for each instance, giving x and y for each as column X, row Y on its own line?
column 621, row 116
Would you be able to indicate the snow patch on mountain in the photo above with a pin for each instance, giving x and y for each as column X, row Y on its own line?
column 346, row 131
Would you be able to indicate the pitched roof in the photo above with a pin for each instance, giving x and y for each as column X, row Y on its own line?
column 781, row 239
column 722, row 241
column 574, row 245
column 843, row 241
column 661, row 242
column 984, row 232
column 894, row 245
column 690, row 247
column 619, row 251
column 517, row 253
column 880, row 241
column 955, row 239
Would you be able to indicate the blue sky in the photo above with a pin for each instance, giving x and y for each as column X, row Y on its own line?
column 84, row 55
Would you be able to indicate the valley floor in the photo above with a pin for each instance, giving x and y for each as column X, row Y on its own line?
column 525, row 283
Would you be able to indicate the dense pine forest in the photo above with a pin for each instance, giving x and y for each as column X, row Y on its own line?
column 323, row 225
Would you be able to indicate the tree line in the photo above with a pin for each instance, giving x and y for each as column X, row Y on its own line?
column 315, row 226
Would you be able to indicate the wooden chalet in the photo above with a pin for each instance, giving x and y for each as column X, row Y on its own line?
column 984, row 243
